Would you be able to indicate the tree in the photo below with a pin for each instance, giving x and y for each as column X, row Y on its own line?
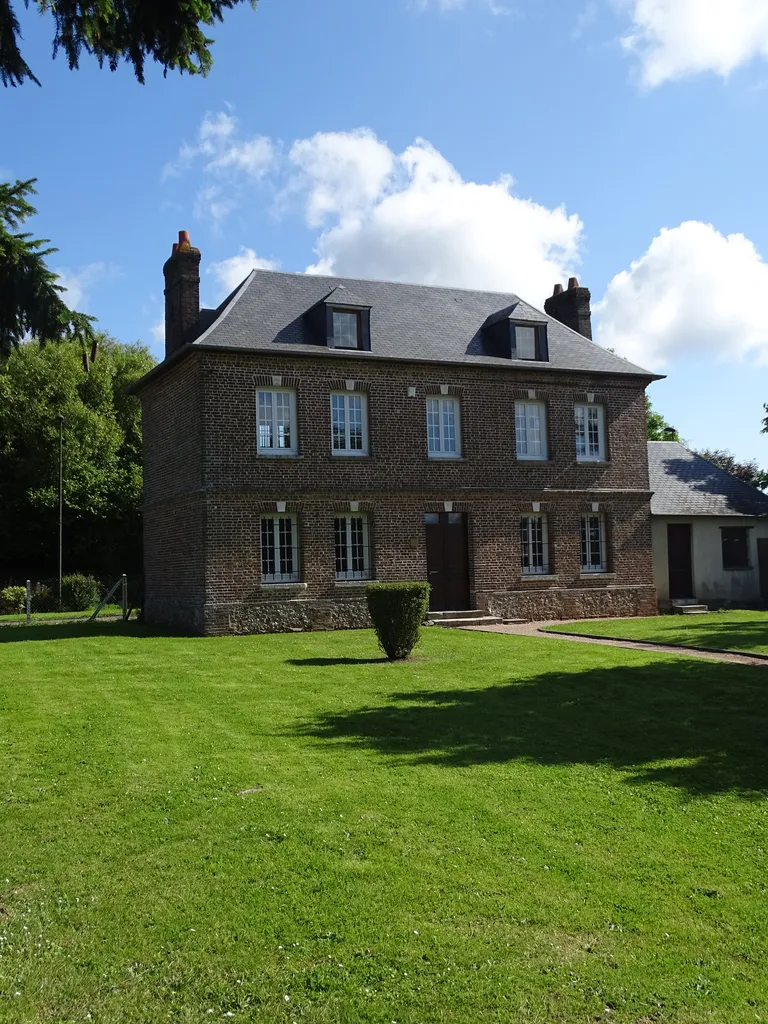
column 749, row 472
column 658, row 428
column 102, row 458
column 30, row 298
column 110, row 30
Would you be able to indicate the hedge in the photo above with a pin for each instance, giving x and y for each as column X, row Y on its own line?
column 397, row 611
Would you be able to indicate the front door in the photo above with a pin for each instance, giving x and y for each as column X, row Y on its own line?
column 447, row 560
column 679, row 556
column 762, row 564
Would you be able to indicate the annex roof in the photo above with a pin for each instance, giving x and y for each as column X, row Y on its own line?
column 684, row 484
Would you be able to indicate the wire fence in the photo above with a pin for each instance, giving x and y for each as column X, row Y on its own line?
column 75, row 598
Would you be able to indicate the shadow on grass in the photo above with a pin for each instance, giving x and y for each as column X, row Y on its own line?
column 14, row 634
column 336, row 661
column 699, row 727
column 741, row 635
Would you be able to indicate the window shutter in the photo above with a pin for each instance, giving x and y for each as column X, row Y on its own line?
column 543, row 343
column 365, row 330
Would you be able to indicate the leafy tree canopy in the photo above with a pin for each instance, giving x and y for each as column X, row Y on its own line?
column 167, row 31
column 749, row 472
column 30, row 298
column 658, row 428
column 102, row 457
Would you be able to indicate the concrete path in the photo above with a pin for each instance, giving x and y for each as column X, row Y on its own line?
column 535, row 629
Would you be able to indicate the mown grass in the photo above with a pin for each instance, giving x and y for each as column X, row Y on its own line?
column 502, row 829
column 730, row 630
column 108, row 609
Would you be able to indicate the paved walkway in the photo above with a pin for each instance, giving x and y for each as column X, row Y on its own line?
column 535, row 629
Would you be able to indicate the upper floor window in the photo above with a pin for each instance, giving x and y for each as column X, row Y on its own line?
column 525, row 342
column 353, row 547
column 277, row 422
column 530, row 430
column 594, row 554
column 735, row 542
column 346, row 329
column 534, row 545
column 443, row 428
column 279, row 549
column 590, row 433
column 349, row 423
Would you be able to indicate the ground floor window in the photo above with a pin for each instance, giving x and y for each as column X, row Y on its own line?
column 735, row 541
column 534, row 545
column 279, row 549
column 353, row 547
column 593, row 547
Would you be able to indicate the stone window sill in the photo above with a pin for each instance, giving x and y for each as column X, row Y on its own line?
column 542, row 577
column 284, row 588
column 597, row 575
column 278, row 455
column 446, row 458
column 345, row 584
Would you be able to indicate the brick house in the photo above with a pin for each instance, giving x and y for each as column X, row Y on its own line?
column 313, row 433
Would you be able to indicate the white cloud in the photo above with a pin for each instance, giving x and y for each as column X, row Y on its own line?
column 411, row 217
column 230, row 272
column 157, row 330
column 674, row 38
column 78, row 283
column 492, row 6
column 227, row 160
column 694, row 292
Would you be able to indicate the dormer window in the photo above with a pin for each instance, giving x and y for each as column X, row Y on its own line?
column 346, row 328
column 525, row 342
column 506, row 337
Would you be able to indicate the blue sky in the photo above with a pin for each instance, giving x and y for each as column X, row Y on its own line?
column 480, row 143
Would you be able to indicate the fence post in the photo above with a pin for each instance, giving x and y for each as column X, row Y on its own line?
column 124, row 595
column 29, row 601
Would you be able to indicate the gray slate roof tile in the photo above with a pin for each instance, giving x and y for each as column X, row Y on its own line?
column 684, row 484
column 266, row 314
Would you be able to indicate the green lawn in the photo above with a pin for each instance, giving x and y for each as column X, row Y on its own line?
column 108, row 609
column 745, row 631
column 287, row 828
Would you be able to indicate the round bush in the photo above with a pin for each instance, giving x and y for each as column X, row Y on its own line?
column 79, row 592
column 397, row 611
column 12, row 600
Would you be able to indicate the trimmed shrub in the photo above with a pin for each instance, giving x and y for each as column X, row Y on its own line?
column 12, row 600
column 397, row 611
column 79, row 592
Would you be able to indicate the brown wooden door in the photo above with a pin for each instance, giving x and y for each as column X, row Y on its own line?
column 679, row 557
column 762, row 564
column 447, row 560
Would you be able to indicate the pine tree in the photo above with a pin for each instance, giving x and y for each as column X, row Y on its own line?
column 30, row 298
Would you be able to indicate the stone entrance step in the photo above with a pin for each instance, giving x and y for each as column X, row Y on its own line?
column 478, row 620
column 692, row 609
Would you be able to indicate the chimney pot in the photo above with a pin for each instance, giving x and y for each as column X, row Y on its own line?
column 558, row 289
column 184, row 239
column 573, row 282
column 571, row 307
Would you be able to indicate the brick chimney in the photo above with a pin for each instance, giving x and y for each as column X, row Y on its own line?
column 571, row 307
column 182, row 294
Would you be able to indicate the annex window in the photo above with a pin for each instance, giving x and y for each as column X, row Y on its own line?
column 530, row 430
column 346, row 329
column 276, row 410
column 353, row 547
column 534, row 545
column 594, row 555
column 735, row 541
column 443, row 428
column 590, row 433
column 349, row 423
column 279, row 549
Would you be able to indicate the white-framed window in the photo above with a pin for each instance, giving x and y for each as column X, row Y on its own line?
column 443, row 428
column 590, row 433
column 279, row 549
column 525, row 342
column 276, row 410
column 346, row 329
column 531, row 430
column 352, row 537
column 594, row 553
column 349, row 423
column 534, row 546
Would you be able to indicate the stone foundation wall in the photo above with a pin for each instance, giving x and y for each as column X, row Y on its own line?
column 583, row 603
column 177, row 615
column 286, row 615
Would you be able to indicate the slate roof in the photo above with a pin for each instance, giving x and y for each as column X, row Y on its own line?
column 266, row 314
column 684, row 484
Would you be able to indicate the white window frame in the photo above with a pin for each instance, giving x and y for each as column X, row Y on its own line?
column 444, row 401
column 585, row 540
column 279, row 576
column 583, row 412
column 527, row 545
column 346, row 518
column 354, row 314
column 521, row 410
column 346, row 397
column 273, row 450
